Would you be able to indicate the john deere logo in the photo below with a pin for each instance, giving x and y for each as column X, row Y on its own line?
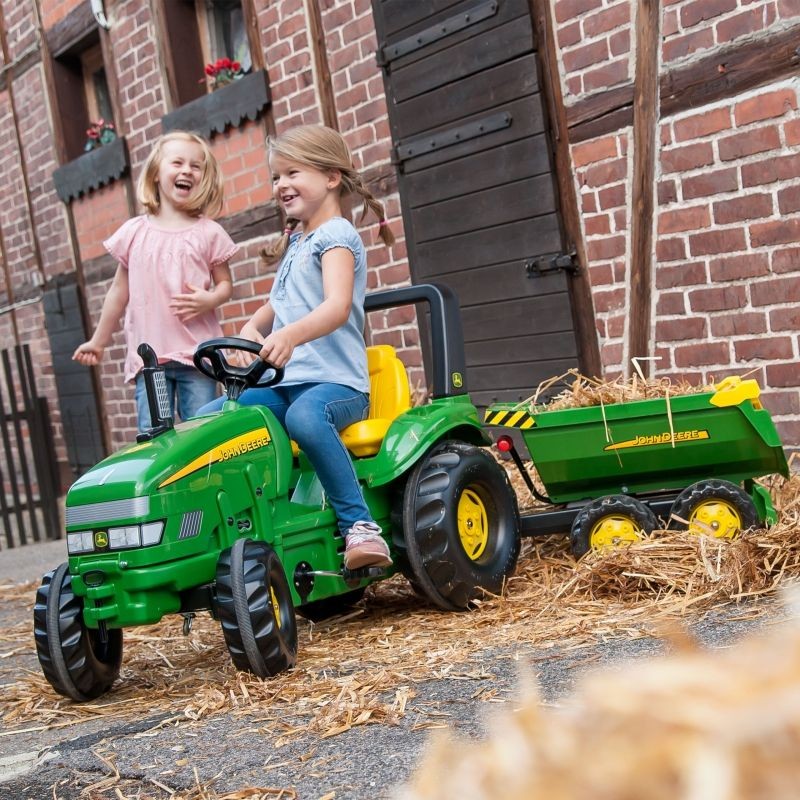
column 458, row 381
column 101, row 539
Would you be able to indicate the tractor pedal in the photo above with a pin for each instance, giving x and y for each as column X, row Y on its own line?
column 363, row 572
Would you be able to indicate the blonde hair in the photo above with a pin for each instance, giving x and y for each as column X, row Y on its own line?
column 208, row 195
column 324, row 149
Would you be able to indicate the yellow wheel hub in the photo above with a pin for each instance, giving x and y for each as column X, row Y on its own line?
column 275, row 607
column 715, row 518
column 613, row 530
column 473, row 524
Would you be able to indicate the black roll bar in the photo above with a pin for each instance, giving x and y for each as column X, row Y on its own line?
column 447, row 338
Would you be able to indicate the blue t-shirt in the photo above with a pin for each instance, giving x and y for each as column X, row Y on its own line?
column 341, row 356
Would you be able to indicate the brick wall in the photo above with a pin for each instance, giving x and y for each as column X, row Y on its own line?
column 97, row 215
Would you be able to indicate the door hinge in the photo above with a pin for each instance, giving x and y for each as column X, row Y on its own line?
column 536, row 267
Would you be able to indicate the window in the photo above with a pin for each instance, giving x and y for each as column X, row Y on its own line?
column 198, row 32
column 81, row 92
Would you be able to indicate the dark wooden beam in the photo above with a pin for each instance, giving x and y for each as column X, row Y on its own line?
column 732, row 71
column 721, row 74
column 645, row 122
column 319, row 53
column 579, row 285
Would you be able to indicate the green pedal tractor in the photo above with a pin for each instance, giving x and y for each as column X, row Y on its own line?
column 222, row 513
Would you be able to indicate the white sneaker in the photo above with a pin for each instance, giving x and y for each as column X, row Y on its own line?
column 365, row 547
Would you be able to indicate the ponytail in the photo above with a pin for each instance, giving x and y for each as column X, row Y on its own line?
column 371, row 204
column 275, row 251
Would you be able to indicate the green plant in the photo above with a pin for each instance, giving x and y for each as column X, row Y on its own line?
column 99, row 133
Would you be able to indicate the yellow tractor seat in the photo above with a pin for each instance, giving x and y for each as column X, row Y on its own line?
column 389, row 396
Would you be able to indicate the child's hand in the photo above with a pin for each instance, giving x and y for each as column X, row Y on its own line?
column 278, row 348
column 88, row 354
column 241, row 358
column 192, row 304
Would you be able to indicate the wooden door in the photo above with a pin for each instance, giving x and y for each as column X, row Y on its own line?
column 476, row 183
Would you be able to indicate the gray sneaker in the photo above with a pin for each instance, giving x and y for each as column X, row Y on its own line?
column 365, row 547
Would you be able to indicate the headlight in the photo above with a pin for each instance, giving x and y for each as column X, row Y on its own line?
column 151, row 532
column 82, row 542
column 129, row 536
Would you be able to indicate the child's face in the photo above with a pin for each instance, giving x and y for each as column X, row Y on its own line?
column 180, row 172
column 300, row 188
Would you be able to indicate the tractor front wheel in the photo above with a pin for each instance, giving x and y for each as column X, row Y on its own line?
column 460, row 525
column 78, row 662
column 609, row 522
column 715, row 508
column 255, row 608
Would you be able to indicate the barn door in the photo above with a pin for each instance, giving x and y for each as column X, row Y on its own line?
column 476, row 184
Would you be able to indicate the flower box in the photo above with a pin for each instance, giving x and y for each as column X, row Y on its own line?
column 230, row 105
column 92, row 170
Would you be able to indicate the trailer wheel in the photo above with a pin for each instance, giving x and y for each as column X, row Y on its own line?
column 713, row 507
column 460, row 525
column 255, row 608
column 319, row 610
column 608, row 522
column 74, row 658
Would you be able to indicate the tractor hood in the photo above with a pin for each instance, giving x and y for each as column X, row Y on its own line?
column 165, row 463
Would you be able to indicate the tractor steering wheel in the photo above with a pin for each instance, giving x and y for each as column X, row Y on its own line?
column 211, row 361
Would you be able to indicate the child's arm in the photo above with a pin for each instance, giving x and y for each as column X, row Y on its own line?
column 200, row 301
column 91, row 352
column 338, row 277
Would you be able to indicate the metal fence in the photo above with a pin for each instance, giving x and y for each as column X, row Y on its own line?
column 28, row 470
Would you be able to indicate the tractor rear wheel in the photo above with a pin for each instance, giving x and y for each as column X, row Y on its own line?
column 609, row 522
column 715, row 508
column 76, row 660
column 255, row 608
column 460, row 525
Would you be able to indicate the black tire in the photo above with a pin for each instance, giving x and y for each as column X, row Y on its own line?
column 255, row 609
column 452, row 475
column 319, row 610
column 73, row 657
column 714, row 507
column 609, row 521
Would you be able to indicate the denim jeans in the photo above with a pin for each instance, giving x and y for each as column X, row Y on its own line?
column 185, row 384
column 313, row 414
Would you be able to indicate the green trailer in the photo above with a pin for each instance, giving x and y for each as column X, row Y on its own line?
column 610, row 472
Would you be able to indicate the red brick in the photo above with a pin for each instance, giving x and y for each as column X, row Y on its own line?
column 568, row 35
column 791, row 130
column 732, row 268
column 789, row 200
column 783, row 374
column 670, row 249
column 677, row 330
column 786, row 259
column 605, row 248
column 595, row 150
column 612, row 197
column 775, row 291
column 717, row 298
column 708, row 353
column 703, row 124
column 683, row 45
column 667, row 192
column 681, row 159
column 619, row 43
column 708, row 183
column 782, row 231
column 738, row 324
column 749, row 143
column 582, row 57
column 701, row 10
column 752, row 206
column 597, row 225
column 691, row 274
column 776, row 168
column 609, row 300
column 568, row 9
column 713, row 242
column 785, row 319
column 788, row 8
column 684, row 219
column 781, row 402
column 765, row 106
column 607, row 75
column 671, row 304
column 765, row 348
column 740, row 25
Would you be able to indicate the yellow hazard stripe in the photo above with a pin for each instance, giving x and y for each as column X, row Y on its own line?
column 510, row 419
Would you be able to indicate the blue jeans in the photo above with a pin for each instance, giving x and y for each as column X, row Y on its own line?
column 313, row 414
column 185, row 384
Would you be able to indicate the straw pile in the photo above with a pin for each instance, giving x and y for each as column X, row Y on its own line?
column 696, row 725
column 362, row 668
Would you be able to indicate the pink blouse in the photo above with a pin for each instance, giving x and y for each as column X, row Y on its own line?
column 162, row 263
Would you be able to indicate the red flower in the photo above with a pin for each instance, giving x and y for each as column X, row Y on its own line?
column 236, row 66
